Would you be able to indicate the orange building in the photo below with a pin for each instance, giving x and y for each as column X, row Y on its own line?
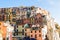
column 37, row 34
column 3, row 30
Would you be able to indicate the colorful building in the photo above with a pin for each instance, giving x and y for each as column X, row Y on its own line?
column 28, row 21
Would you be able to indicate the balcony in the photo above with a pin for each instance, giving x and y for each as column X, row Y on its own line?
column 35, row 28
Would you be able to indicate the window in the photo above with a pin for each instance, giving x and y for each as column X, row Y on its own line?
column 35, row 36
column 37, row 21
column 0, row 23
column 22, row 26
column 39, row 30
column 17, row 30
column 25, row 34
column 17, row 26
column 18, row 22
column 14, row 33
column 14, row 20
column 25, row 30
column 22, row 31
column 14, row 12
column 33, row 28
column 43, row 16
column 3, row 16
column 35, row 31
column 3, row 38
column 39, row 35
column 17, row 33
column 32, row 20
column 31, row 31
column 31, row 35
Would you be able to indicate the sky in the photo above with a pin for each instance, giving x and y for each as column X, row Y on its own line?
column 53, row 6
